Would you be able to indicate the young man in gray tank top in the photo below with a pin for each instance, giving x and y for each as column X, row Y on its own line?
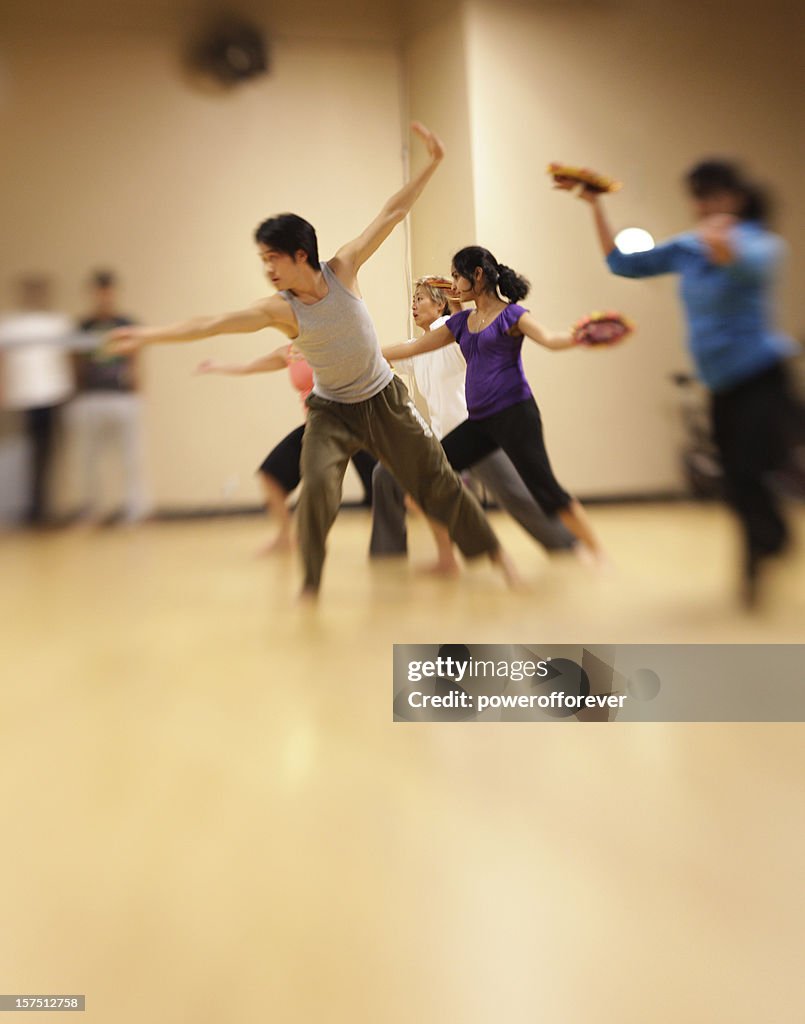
column 356, row 402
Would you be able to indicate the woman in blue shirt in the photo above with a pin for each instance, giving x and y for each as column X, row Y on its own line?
column 727, row 266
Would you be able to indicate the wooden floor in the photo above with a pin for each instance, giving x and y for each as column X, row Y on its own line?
column 209, row 815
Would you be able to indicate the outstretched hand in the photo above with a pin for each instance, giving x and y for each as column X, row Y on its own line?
column 124, row 341
column 434, row 144
column 602, row 329
column 206, row 366
column 585, row 192
column 716, row 232
column 716, row 228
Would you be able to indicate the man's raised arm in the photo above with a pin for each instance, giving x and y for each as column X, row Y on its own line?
column 351, row 256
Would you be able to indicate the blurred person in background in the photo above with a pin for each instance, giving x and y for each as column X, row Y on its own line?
column 36, row 379
column 107, row 412
column 728, row 266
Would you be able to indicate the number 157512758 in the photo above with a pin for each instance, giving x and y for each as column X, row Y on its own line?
column 37, row 1002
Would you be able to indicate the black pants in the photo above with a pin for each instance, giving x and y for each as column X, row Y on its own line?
column 749, row 428
column 518, row 431
column 40, row 426
column 283, row 464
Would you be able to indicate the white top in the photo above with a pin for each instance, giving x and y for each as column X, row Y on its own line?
column 439, row 375
column 36, row 371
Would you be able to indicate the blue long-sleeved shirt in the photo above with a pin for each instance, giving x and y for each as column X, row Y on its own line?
column 728, row 307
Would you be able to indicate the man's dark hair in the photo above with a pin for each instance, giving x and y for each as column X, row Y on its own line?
column 288, row 233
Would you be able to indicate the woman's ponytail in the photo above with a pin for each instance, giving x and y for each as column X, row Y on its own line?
column 510, row 284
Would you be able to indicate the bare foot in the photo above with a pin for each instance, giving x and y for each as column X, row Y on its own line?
column 281, row 544
column 308, row 596
column 592, row 559
column 506, row 566
column 441, row 567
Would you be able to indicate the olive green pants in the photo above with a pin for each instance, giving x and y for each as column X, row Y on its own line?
column 389, row 426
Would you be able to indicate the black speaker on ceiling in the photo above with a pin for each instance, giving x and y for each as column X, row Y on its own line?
column 231, row 51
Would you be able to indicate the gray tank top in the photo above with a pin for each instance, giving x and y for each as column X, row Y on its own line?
column 338, row 339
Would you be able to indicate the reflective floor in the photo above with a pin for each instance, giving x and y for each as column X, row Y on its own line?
column 209, row 815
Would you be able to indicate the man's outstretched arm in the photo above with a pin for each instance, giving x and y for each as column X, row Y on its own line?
column 269, row 312
column 354, row 254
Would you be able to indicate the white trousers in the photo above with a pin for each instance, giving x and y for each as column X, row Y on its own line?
column 111, row 420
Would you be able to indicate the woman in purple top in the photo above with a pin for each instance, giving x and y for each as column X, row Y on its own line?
column 501, row 408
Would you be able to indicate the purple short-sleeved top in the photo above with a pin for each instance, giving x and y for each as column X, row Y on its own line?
column 495, row 378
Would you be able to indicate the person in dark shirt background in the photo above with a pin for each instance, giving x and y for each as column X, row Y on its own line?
column 108, row 409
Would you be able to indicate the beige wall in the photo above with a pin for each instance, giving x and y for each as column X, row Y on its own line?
column 111, row 157
column 437, row 94
column 639, row 91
